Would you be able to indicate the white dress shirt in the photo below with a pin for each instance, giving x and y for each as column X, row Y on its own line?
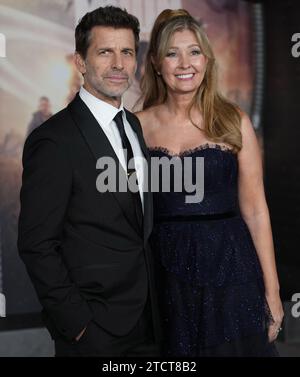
column 104, row 114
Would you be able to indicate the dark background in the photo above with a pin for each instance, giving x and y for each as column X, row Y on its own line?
column 281, row 131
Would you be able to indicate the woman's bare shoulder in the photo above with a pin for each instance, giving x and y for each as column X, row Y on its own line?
column 148, row 118
column 150, row 122
column 143, row 115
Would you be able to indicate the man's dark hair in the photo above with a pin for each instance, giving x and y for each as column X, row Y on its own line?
column 104, row 16
column 44, row 98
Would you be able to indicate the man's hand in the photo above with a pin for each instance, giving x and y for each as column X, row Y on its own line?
column 80, row 334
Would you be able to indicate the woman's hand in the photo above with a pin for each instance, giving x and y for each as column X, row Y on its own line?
column 80, row 334
column 277, row 312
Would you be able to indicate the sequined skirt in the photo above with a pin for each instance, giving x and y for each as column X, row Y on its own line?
column 211, row 289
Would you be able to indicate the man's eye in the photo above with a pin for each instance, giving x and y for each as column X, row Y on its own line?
column 127, row 52
column 103, row 52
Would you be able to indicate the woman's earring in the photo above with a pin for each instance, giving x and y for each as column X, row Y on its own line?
column 158, row 73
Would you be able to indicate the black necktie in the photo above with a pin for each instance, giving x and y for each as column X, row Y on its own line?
column 126, row 145
column 125, row 142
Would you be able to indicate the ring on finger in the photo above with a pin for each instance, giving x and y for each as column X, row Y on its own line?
column 279, row 329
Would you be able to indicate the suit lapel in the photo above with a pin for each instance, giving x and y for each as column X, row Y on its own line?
column 100, row 146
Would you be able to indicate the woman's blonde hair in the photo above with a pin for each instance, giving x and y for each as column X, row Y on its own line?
column 222, row 118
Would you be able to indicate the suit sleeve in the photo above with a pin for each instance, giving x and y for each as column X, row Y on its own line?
column 44, row 196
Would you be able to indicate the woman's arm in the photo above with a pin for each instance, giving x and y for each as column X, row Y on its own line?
column 255, row 212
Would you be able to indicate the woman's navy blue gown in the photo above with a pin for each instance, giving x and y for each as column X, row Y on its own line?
column 209, row 277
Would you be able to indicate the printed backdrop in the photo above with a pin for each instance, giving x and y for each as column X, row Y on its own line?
column 39, row 62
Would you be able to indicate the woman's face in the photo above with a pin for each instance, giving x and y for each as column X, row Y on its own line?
column 184, row 65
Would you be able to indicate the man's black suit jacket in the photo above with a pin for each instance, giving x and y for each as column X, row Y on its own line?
column 86, row 252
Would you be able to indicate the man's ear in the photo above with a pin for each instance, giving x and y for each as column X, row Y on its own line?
column 79, row 62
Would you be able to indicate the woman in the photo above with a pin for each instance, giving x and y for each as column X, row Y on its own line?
column 218, row 281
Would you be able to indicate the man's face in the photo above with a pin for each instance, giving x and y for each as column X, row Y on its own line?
column 110, row 63
column 44, row 106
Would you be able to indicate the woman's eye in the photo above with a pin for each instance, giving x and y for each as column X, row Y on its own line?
column 196, row 52
column 171, row 54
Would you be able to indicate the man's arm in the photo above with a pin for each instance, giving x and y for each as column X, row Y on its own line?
column 45, row 192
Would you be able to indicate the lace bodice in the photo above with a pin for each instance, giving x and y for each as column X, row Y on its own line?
column 191, row 151
column 220, row 181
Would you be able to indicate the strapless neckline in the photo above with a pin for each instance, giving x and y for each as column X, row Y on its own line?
column 191, row 151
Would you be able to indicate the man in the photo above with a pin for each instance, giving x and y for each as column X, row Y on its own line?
column 40, row 116
column 87, row 251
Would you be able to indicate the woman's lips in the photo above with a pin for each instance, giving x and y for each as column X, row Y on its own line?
column 186, row 76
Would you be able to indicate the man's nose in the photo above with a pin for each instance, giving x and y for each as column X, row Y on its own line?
column 117, row 62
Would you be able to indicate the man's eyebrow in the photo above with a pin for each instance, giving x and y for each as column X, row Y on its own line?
column 111, row 48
